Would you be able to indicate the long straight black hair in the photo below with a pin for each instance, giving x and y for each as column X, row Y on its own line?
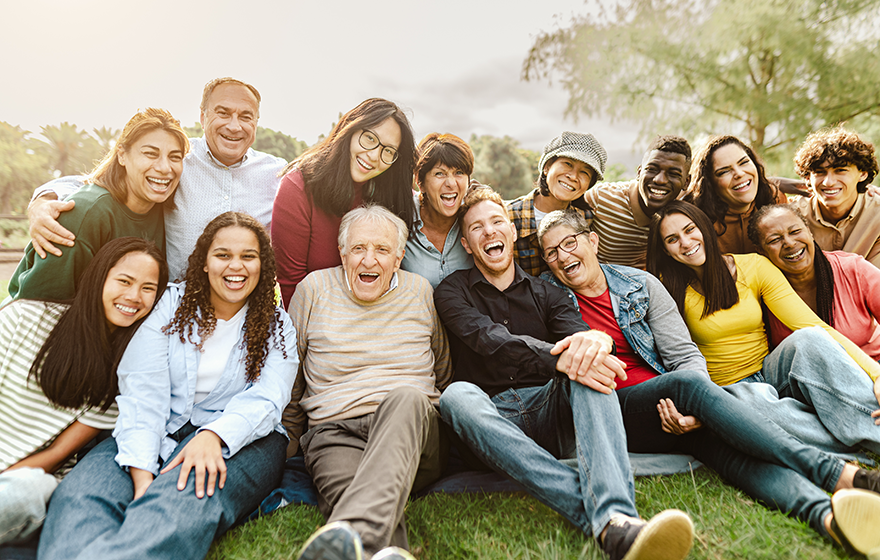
column 326, row 167
column 76, row 366
column 718, row 285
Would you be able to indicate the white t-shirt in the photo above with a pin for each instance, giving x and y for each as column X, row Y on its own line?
column 215, row 353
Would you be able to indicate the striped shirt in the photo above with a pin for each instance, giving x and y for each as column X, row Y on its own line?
column 622, row 240
column 354, row 353
column 28, row 421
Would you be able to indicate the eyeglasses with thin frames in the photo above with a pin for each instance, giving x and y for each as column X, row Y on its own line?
column 369, row 140
column 568, row 244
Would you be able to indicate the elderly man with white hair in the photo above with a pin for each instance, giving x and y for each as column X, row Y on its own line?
column 374, row 358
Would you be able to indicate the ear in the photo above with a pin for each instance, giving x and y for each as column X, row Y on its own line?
column 513, row 230
column 120, row 157
column 862, row 176
column 399, row 260
column 594, row 242
column 467, row 247
column 202, row 119
column 341, row 252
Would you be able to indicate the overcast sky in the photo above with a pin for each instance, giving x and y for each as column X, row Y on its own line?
column 453, row 65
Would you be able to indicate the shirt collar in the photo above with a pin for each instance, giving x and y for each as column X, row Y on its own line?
column 817, row 212
column 475, row 277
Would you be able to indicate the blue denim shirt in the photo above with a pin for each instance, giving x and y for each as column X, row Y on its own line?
column 157, row 383
column 648, row 318
column 424, row 259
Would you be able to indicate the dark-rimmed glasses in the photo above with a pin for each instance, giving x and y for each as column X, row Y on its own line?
column 568, row 244
column 369, row 140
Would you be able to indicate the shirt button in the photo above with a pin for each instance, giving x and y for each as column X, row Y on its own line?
column 226, row 197
column 511, row 378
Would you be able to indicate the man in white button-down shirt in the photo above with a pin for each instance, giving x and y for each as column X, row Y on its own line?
column 221, row 173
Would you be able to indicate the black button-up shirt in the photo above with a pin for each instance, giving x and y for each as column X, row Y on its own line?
column 503, row 339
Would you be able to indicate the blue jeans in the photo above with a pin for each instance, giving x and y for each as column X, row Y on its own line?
column 745, row 448
column 826, row 399
column 523, row 432
column 92, row 515
column 24, row 493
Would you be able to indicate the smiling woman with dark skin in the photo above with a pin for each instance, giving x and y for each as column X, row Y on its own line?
column 840, row 287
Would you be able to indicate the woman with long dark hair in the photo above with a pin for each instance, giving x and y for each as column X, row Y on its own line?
column 367, row 157
column 728, row 183
column 126, row 196
column 720, row 295
column 58, row 373
column 199, row 441
column 442, row 175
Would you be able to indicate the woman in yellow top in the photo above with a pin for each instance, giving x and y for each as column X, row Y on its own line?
column 720, row 295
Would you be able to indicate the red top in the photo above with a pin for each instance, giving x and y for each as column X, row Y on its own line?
column 304, row 236
column 599, row 314
column 856, row 303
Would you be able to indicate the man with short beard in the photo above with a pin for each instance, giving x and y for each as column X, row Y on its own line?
column 510, row 333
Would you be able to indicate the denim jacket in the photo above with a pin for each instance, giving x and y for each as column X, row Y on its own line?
column 648, row 318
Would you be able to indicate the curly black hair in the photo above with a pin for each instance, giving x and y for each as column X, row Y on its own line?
column 263, row 319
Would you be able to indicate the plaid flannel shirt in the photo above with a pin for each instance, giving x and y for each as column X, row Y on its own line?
column 527, row 250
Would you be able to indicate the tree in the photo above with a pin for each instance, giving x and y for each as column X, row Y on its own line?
column 501, row 163
column 69, row 149
column 22, row 169
column 279, row 144
column 769, row 70
column 106, row 137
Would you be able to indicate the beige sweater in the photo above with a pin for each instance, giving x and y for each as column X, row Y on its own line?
column 352, row 354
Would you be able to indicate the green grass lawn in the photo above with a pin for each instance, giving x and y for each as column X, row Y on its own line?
column 470, row 526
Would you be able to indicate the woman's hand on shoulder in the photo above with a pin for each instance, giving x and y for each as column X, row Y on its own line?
column 204, row 453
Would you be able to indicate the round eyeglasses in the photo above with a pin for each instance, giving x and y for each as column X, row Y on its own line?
column 568, row 244
column 369, row 140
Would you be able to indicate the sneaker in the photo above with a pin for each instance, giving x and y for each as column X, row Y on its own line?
column 869, row 480
column 669, row 535
column 393, row 553
column 333, row 541
column 856, row 521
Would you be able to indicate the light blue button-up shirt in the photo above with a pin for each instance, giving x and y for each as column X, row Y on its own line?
column 207, row 189
column 424, row 259
column 157, row 384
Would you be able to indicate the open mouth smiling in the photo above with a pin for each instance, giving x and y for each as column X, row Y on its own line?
column 742, row 186
column 126, row 310
column 796, row 256
column 368, row 277
column 494, row 248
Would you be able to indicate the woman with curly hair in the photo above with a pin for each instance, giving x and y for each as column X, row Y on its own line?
column 367, row 157
column 199, row 441
column 728, row 184
column 58, row 374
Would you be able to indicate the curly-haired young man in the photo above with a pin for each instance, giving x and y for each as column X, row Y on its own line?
column 839, row 166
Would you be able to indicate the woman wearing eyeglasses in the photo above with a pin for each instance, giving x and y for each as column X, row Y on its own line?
column 368, row 157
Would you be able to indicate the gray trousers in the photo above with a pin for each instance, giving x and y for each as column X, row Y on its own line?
column 365, row 468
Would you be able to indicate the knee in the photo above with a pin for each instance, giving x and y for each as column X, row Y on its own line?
column 810, row 337
column 459, row 397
